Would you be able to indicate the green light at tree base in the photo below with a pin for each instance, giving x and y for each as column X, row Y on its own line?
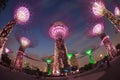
column 69, row 56
column 89, row 53
column 92, row 61
column 49, row 71
column 48, row 61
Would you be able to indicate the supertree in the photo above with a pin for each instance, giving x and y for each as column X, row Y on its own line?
column 26, row 39
column 21, row 16
column 24, row 43
column 98, row 30
column 58, row 32
column 99, row 9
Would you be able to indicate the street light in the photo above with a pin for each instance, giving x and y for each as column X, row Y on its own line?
column 98, row 9
column 24, row 43
column 101, row 56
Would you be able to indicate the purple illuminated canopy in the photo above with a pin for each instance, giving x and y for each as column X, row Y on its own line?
column 58, row 29
column 22, row 14
column 98, row 8
column 24, row 41
column 117, row 11
column 98, row 29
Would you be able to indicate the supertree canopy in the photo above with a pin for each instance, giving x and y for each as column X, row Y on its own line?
column 98, row 29
column 98, row 8
column 24, row 41
column 20, row 32
column 58, row 29
column 117, row 11
column 22, row 14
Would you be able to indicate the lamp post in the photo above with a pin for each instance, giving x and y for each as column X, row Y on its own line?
column 58, row 32
column 98, row 30
column 98, row 9
column 24, row 43
column 21, row 16
column 89, row 53
column 49, row 61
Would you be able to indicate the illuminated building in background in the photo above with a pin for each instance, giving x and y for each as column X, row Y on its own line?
column 98, row 30
column 98, row 8
column 58, row 32
column 21, row 16
column 24, row 43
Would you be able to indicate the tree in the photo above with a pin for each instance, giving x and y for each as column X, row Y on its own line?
column 3, row 4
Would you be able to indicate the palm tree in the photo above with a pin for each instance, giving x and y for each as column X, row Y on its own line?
column 3, row 4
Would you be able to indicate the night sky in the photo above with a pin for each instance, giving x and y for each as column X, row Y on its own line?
column 76, row 14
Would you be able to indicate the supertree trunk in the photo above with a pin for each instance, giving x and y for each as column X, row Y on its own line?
column 60, row 56
column 4, row 33
column 113, row 19
column 108, row 44
column 19, row 59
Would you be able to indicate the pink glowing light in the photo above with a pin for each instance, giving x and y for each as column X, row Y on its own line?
column 98, row 8
column 22, row 15
column 7, row 50
column 117, row 11
column 58, row 29
column 24, row 41
column 98, row 29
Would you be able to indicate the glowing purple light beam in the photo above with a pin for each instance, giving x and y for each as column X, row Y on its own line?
column 98, row 8
column 98, row 29
column 22, row 15
column 58, row 29
column 117, row 11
